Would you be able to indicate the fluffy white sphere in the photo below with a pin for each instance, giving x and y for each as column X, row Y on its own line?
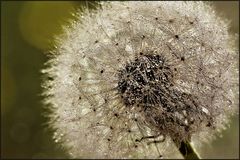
column 94, row 118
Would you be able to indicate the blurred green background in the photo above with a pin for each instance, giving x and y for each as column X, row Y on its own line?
column 27, row 30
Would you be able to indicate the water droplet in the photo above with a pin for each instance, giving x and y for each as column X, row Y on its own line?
column 184, row 112
column 205, row 110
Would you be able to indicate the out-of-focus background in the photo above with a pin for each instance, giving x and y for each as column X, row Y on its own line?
column 27, row 30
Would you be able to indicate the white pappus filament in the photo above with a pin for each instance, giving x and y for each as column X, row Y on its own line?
column 135, row 79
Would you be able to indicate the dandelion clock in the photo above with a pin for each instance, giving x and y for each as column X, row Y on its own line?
column 141, row 80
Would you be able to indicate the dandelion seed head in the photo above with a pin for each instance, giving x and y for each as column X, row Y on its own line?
column 132, row 79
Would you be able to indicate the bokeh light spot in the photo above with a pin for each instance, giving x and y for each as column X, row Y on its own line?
column 40, row 21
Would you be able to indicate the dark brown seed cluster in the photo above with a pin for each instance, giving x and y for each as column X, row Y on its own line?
column 139, row 83
column 148, row 83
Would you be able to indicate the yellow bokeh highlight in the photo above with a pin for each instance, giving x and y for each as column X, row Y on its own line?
column 39, row 21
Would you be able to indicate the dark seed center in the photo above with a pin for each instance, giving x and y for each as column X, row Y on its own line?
column 144, row 79
column 147, row 82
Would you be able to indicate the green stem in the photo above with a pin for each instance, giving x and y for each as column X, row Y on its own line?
column 187, row 151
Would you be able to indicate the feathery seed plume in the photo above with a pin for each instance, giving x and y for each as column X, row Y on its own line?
column 138, row 79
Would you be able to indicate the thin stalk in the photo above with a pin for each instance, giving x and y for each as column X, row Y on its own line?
column 187, row 151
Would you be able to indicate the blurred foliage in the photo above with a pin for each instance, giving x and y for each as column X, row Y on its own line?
column 27, row 30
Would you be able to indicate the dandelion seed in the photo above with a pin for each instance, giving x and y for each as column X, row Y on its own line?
column 141, row 80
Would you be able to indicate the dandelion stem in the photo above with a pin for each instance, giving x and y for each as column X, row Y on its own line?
column 187, row 151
